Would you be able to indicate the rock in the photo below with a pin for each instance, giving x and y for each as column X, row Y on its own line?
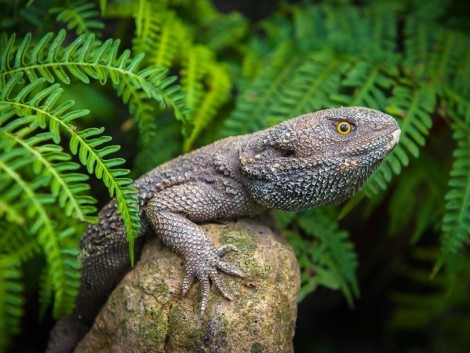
column 145, row 312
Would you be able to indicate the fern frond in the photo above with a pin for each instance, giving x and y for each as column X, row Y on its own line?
column 310, row 87
column 158, row 32
column 253, row 105
column 49, row 159
column 85, row 59
column 80, row 17
column 413, row 107
column 46, row 291
column 460, row 80
column 429, row 10
column 370, row 31
column 61, row 253
column 345, row 22
column 147, row 16
column 88, row 144
column 446, row 57
column 17, row 244
column 224, row 31
column 11, row 299
column 418, row 42
column 331, row 260
column 169, row 38
column 456, row 221
column 425, row 212
column 365, row 84
column 434, row 52
column 383, row 25
column 309, row 26
column 167, row 146
column 16, row 247
column 194, row 68
column 35, row 13
column 207, row 85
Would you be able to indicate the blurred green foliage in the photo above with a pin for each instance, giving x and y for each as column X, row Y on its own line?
column 187, row 74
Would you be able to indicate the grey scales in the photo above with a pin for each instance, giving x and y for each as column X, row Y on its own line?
column 315, row 159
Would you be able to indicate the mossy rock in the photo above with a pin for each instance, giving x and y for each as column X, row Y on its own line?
column 145, row 313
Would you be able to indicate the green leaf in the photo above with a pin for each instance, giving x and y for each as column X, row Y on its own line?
column 80, row 16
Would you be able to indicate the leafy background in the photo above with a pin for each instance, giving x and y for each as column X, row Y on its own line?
column 388, row 271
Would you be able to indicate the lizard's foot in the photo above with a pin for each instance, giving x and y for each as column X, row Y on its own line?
column 203, row 265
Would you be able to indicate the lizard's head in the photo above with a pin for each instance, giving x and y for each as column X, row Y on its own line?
column 318, row 158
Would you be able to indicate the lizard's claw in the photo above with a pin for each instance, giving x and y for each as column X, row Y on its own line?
column 203, row 265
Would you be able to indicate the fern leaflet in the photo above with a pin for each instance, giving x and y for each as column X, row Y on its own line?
column 80, row 17
column 456, row 221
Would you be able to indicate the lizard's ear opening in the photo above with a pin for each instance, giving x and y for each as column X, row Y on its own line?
column 286, row 153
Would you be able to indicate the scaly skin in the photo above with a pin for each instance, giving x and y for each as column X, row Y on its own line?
column 301, row 163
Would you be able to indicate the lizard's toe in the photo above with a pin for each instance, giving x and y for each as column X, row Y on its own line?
column 223, row 250
column 219, row 283
column 229, row 269
column 205, row 289
column 187, row 281
column 205, row 266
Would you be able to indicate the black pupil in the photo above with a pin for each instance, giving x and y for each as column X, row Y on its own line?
column 344, row 127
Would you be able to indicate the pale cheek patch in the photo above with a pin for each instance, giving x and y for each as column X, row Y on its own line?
column 349, row 165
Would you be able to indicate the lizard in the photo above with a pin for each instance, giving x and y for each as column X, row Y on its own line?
column 315, row 159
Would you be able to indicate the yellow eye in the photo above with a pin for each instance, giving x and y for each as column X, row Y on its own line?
column 343, row 128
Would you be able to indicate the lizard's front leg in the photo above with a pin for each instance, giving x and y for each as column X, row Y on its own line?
column 172, row 213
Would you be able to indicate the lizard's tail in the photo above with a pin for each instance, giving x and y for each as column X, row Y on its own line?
column 66, row 335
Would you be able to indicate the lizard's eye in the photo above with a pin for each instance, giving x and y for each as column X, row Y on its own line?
column 343, row 128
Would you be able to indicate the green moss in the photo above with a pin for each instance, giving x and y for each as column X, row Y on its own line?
column 241, row 238
column 247, row 243
column 283, row 310
column 190, row 338
column 153, row 334
column 160, row 290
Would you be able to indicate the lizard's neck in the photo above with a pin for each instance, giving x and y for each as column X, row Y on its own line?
column 327, row 182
